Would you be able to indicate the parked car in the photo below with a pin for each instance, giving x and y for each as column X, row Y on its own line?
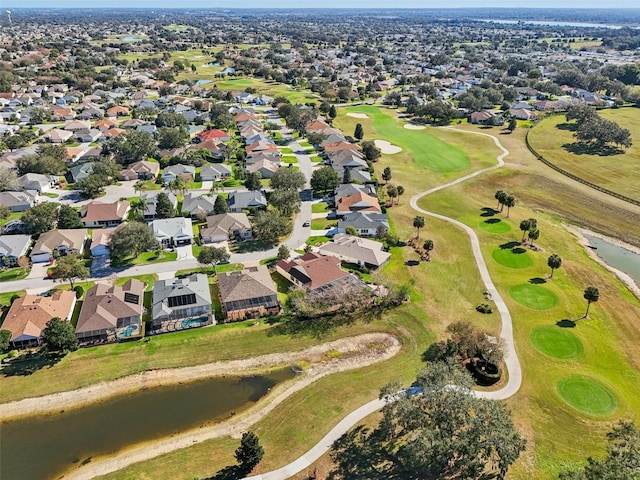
column 306, row 224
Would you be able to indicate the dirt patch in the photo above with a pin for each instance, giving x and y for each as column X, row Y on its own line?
column 387, row 147
column 357, row 115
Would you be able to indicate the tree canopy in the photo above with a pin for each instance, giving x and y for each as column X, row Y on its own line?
column 443, row 433
column 40, row 218
column 69, row 269
column 59, row 336
column 288, row 179
column 131, row 239
column 269, row 226
column 324, row 180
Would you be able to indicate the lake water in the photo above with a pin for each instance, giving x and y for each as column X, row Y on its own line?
column 616, row 256
column 44, row 447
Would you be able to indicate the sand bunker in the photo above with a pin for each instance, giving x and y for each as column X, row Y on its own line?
column 387, row 148
column 357, row 115
column 411, row 126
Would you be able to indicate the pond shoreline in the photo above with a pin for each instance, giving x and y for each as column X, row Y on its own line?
column 626, row 279
column 154, row 378
column 355, row 352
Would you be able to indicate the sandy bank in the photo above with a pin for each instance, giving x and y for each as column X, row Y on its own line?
column 387, row 147
column 411, row 126
column 357, row 115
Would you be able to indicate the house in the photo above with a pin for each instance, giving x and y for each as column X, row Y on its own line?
column 172, row 232
column 59, row 113
column 88, row 135
column 366, row 224
column 151, row 201
column 81, row 171
column 100, row 242
column 216, row 149
column 220, row 227
column 311, row 271
column 12, row 247
column 111, row 312
column 249, row 293
column 485, row 118
column 356, row 203
column 141, row 170
column 175, row 171
column 117, row 111
column 214, row 134
column 359, row 251
column 523, row 113
column 180, row 303
column 57, row 136
column 28, row 316
column 63, row 242
column 18, row 201
column 239, row 201
column 346, row 189
column 264, row 167
column 215, row 172
column 198, row 205
column 75, row 125
column 36, row 181
column 105, row 124
column 98, row 214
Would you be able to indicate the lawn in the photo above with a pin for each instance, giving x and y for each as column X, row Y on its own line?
column 322, row 224
column 289, row 158
column 12, row 274
column 145, row 258
column 12, row 216
column 316, row 159
column 148, row 279
column 225, row 267
column 619, row 173
column 427, row 151
column 320, row 207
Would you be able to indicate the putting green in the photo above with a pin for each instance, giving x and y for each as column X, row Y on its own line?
column 533, row 296
column 512, row 258
column 495, row 225
column 587, row 396
column 556, row 342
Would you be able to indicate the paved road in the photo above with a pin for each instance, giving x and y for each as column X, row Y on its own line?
column 510, row 357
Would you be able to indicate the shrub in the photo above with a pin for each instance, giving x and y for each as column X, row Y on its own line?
column 484, row 308
column 79, row 291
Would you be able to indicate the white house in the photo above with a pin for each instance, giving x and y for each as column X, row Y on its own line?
column 172, row 232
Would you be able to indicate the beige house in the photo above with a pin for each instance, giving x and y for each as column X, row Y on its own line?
column 28, row 316
column 359, row 251
column 225, row 225
column 250, row 293
column 64, row 242
column 111, row 313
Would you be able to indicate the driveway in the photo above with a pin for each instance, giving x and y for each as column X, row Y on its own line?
column 100, row 267
column 185, row 252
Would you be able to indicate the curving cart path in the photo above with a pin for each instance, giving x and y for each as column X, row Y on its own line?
column 506, row 334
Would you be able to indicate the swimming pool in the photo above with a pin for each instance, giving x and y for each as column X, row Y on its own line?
column 194, row 322
column 128, row 331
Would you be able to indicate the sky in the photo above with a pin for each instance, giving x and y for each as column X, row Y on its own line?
column 323, row 4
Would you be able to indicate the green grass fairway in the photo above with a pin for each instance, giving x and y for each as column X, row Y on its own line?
column 556, row 342
column 587, row 396
column 495, row 225
column 618, row 173
column 533, row 296
column 512, row 257
column 427, row 151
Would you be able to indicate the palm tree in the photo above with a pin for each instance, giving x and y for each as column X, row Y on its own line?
column 591, row 294
column 525, row 225
column 428, row 246
column 138, row 186
column 510, row 202
column 138, row 207
column 400, row 190
column 554, row 262
column 216, row 186
column 392, row 191
column 418, row 223
column 501, row 196
column 534, row 234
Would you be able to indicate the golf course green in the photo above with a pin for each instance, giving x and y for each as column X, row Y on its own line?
column 427, row 151
column 512, row 257
column 556, row 342
column 533, row 296
column 587, row 395
column 495, row 225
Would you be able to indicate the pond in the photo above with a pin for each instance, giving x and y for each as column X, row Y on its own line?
column 44, row 447
column 617, row 256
